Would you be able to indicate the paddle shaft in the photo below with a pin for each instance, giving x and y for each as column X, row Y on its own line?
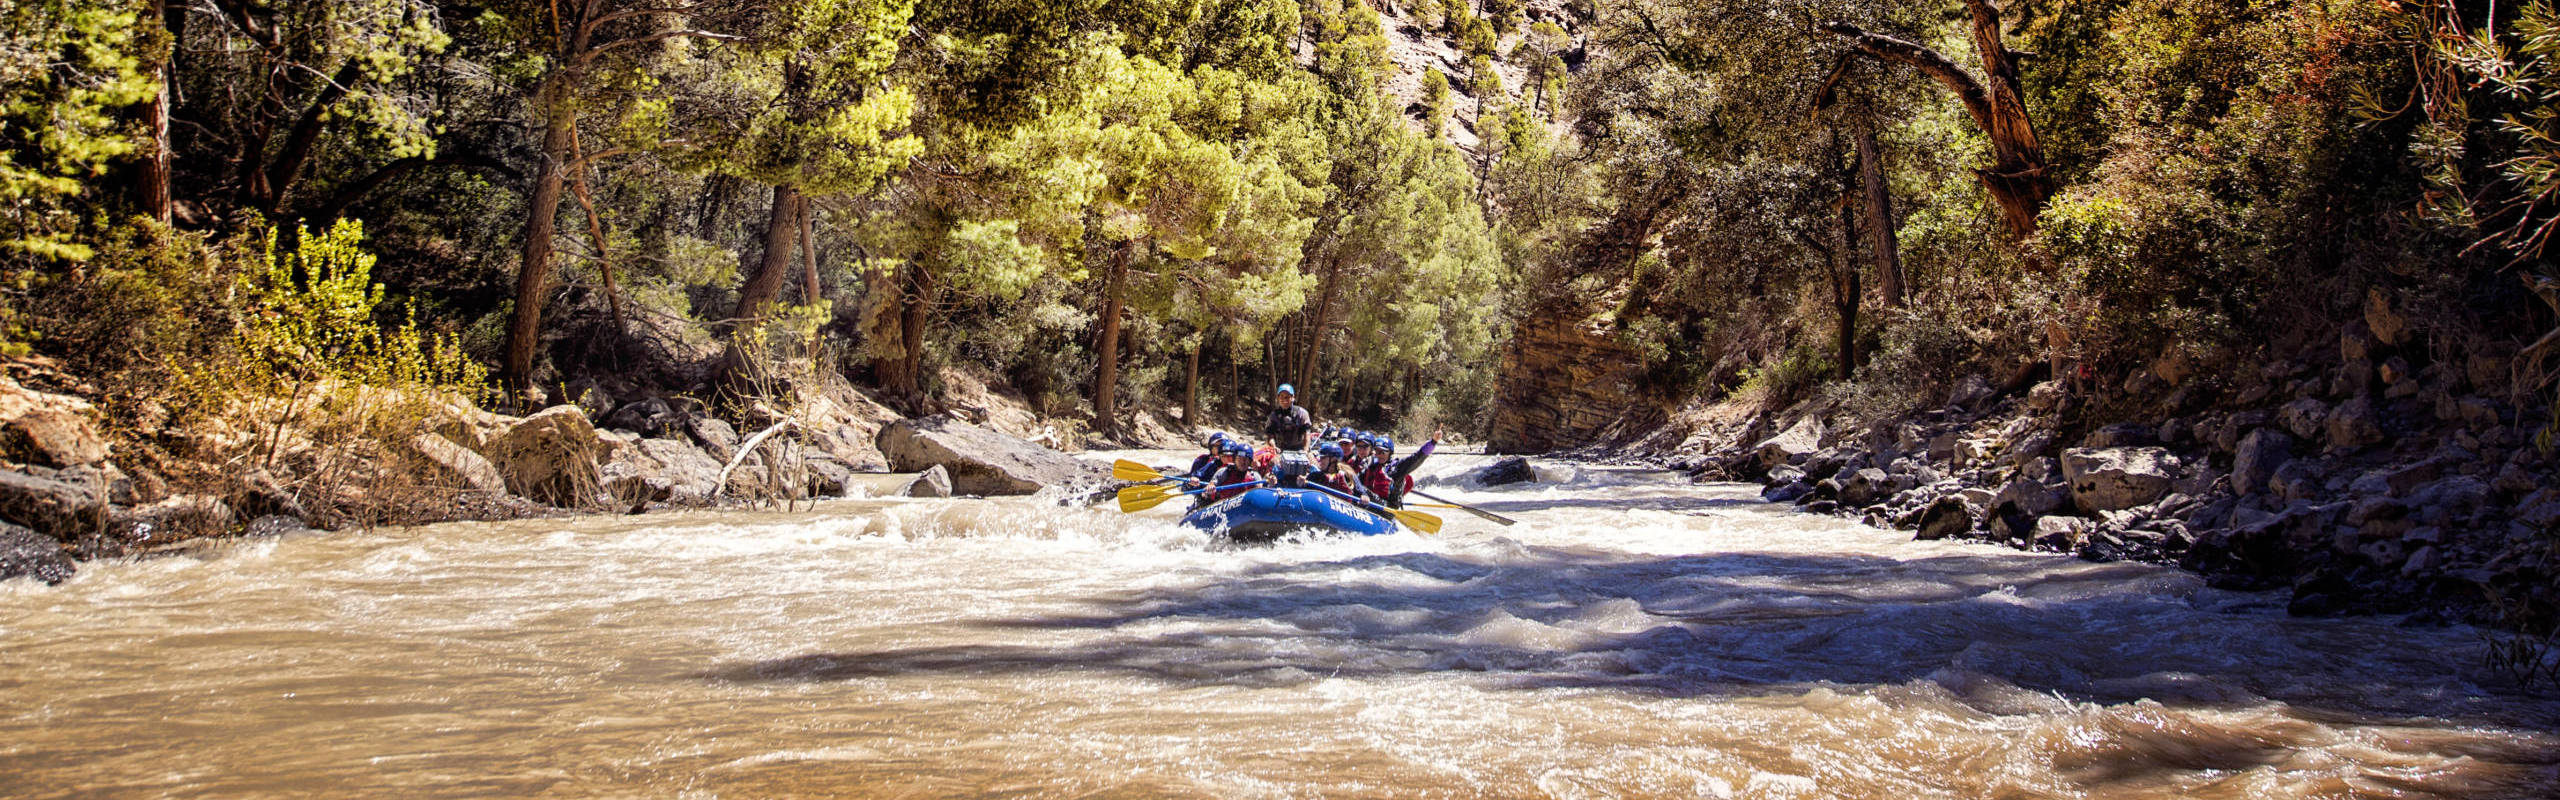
column 1467, row 508
column 1372, row 508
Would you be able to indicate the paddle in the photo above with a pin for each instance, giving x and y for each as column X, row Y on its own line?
column 1140, row 498
column 1128, row 470
column 1412, row 519
column 1469, row 509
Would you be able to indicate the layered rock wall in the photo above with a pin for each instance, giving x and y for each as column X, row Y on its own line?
column 1565, row 382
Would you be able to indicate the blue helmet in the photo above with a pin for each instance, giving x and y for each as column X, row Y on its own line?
column 1329, row 450
column 1286, row 389
column 1217, row 439
column 1236, row 448
column 1387, row 443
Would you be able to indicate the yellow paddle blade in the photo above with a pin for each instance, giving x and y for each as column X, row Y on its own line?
column 1141, row 498
column 1128, row 470
column 1418, row 521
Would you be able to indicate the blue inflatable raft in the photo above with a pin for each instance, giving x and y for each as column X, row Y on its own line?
column 1261, row 515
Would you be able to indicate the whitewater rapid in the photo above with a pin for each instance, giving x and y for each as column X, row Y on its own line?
column 1634, row 636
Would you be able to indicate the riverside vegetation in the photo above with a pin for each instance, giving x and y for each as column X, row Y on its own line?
column 2261, row 287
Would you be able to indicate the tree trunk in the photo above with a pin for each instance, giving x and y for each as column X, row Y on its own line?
column 1880, row 228
column 1235, row 381
column 810, row 292
column 1191, row 384
column 1106, row 378
column 900, row 372
column 533, row 275
column 1305, row 370
column 2017, row 180
column 152, row 191
column 782, row 227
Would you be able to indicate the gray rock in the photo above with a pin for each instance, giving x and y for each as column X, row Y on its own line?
column 984, row 462
column 552, row 457
column 2260, row 454
column 2459, row 496
column 2118, row 478
column 2400, row 480
column 2047, row 397
column 2062, row 534
column 715, row 436
column 2513, row 480
column 2389, row 324
column 828, row 477
column 456, row 464
column 1969, row 392
column 1863, row 487
column 54, row 438
column 1513, row 469
column 653, row 417
column 685, row 475
column 629, row 480
column 2227, row 436
column 2303, row 417
column 2428, row 560
column 27, row 554
column 171, row 519
column 2031, row 498
column 935, row 482
column 2295, row 482
column 274, row 525
column 1788, row 493
column 2354, row 424
column 1948, row 516
column 1792, row 446
column 54, row 508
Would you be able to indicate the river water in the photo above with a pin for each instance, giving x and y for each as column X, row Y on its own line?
column 1635, row 636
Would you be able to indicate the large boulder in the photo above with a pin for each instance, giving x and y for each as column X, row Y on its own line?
column 2354, row 424
column 1949, row 516
column 26, row 553
column 981, row 461
column 49, row 430
column 1514, row 469
column 554, row 456
column 2031, row 498
column 1792, row 446
column 1863, row 487
column 2118, row 478
column 62, row 510
column 2260, row 454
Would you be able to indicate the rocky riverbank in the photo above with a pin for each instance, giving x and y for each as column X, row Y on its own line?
column 2364, row 484
column 67, row 494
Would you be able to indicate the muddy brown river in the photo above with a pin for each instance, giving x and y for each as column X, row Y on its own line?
column 1635, row 636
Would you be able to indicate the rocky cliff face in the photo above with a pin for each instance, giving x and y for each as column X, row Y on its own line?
column 1565, row 382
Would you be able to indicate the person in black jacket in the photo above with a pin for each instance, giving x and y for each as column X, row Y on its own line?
column 1288, row 424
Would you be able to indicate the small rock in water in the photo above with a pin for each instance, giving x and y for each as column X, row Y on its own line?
column 935, row 482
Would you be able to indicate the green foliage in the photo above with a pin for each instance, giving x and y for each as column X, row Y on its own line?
column 67, row 70
column 313, row 315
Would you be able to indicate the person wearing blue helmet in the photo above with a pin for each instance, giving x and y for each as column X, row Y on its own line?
column 1206, row 465
column 1288, row 424
column 1235, row 467
column 1332, row 473
column 1389, row 479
